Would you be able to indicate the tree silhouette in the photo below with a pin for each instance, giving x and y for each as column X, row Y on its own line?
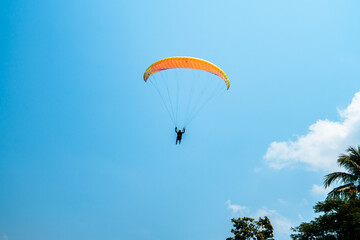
column 249, row 229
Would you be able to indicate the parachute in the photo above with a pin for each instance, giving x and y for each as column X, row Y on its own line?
column 187, row 85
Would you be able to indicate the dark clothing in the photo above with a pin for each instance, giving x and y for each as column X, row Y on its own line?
column 179, row 135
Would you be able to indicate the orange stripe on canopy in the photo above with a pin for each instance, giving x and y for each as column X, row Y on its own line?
column 185, row 62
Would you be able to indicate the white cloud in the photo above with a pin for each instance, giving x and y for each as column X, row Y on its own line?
column 282, row 201
column 280, row 223
column 236, row 209
column 319, row 190
column 256, row 170
column 321, row 146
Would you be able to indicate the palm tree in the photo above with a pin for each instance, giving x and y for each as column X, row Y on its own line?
column 350, row 179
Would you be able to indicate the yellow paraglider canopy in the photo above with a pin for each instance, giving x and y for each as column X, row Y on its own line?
column 185, row 62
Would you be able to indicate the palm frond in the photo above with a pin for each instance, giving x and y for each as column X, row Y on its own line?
column 350, row 161
column 354, row 151
column 341, row 193
column 346, row 188
column 340, row 177
column 333, row 194
column 350, row 165
column 350, row 179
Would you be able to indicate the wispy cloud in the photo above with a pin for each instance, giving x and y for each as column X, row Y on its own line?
column 256, row 170
column 236, row 209
column 319, row 190
column 320, row 147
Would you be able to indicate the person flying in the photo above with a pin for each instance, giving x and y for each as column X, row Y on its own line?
column 179, row 135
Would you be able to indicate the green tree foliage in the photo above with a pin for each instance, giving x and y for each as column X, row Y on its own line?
column 349, row 179
column 341, row 220
column 249, row 229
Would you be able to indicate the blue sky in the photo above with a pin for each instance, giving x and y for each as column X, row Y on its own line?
column 87, row 150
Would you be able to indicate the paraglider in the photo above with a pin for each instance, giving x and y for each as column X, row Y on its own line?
column 186, row 87
column 179, row 135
